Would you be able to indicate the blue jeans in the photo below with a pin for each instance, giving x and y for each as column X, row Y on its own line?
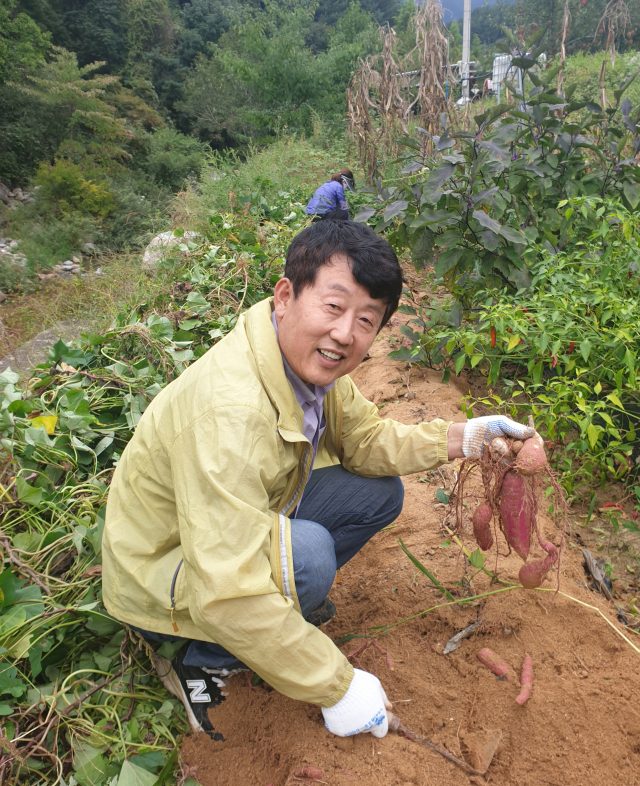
column 339, row 512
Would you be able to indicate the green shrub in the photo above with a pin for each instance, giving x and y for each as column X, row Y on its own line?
column 47, row 239
column 64, row 189
column 173, row 158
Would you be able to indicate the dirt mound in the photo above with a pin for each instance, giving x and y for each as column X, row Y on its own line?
column 582, row 724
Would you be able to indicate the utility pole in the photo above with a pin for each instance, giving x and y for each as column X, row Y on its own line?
column 465, row 71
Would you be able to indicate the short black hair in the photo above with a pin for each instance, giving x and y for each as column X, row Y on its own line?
column 373, row 262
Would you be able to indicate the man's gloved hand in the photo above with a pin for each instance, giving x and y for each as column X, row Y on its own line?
column 362, row 708
column 479, row 432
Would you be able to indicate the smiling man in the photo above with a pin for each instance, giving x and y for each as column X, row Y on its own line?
column 261, row 470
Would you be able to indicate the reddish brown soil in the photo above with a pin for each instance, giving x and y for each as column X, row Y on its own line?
column 582, row 724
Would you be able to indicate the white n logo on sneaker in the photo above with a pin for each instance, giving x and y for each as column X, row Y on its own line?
column 197, row 691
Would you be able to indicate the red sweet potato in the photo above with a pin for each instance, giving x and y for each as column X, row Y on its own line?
column 515, row 512
column 531, row 459
column 498, row 666
column 482, row 526
column 526, row 678
column 533, row 574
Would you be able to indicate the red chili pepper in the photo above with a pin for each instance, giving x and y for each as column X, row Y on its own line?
column 612, row 505
column 521, row 341
column 554, row 362
column 572, row 346
column 629, row 274
column 493, row 337
column 635, row 515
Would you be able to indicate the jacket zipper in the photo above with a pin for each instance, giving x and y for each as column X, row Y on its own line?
column 172, row 595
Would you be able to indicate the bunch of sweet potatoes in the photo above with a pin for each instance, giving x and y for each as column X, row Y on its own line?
column 510, row 496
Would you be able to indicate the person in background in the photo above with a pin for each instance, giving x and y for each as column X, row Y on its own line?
column 329, row 200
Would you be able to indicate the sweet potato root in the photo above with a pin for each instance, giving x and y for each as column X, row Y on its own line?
column 482, row 526
column 531, row 458
column 534, row 573
column 515, row 512
column 498, row 666
column 526, row 678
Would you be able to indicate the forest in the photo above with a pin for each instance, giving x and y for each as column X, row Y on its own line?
column 515, row 219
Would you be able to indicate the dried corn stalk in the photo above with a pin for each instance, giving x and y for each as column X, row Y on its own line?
column 613, row 21
column 384, row 93
column 435, row 70
column 360, row 107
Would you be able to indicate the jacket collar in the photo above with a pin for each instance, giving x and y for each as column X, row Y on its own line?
column 266, row 351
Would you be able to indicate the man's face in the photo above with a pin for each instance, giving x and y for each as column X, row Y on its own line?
column 327, row 330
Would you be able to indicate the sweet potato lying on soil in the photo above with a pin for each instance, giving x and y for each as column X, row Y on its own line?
column 498, row 666
column 526, row 678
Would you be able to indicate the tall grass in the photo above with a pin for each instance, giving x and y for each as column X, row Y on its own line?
column 291, row 164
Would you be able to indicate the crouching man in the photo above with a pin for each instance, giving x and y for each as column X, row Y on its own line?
column 261, row 470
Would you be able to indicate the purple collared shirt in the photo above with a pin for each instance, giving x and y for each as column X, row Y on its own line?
column 311, row 399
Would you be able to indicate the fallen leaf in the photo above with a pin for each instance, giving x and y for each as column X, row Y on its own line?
column 48, row 421
column 96, row 570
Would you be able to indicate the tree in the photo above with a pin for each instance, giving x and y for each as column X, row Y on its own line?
column 84, row 126
column 22, row 44
column 204, row 22
column 455, row 42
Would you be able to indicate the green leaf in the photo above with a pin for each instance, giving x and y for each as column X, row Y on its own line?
column 442, row 496
column 592, row 434
column 394, row 209
column 630, row 360
column 585, row 349
column 631, row 192
column 90, row 766
column 476, row 558
column 615, row 400
column 448, row 260
column 424, row 570
column 10, row 684
column 459, row 361
column 132, row 775
column 364, row 215
column 27, row 493
column 161, row 327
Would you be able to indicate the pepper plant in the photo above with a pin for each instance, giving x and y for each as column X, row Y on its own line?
column 567, row 352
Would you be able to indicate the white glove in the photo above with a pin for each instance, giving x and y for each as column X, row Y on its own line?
column 479, row 432
column 362, row 708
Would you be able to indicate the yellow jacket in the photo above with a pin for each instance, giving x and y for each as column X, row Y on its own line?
column 197, row 539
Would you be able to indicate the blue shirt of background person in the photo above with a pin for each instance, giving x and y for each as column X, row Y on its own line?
column 329, row 200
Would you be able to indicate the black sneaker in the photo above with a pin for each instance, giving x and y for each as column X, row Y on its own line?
column 322, row 613
column 198, row 689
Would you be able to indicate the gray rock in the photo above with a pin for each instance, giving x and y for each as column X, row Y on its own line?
column 13, row 244
column 67, row 264
column 161, row 246
column 25, row 357
column 89, row 248
column 4, row 194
